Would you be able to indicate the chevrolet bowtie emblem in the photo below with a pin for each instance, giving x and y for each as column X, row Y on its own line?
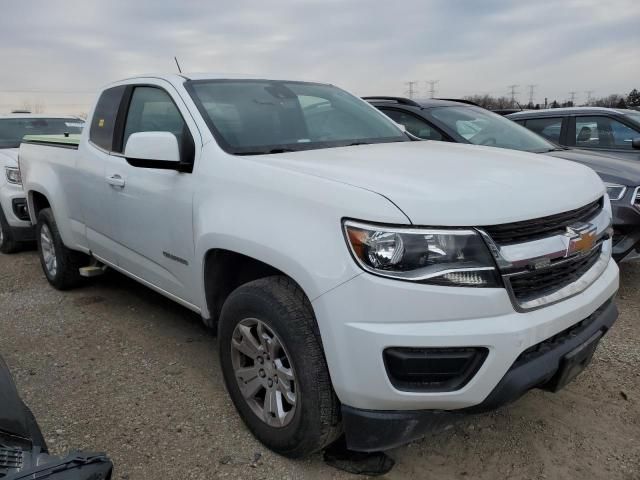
column 582, row 239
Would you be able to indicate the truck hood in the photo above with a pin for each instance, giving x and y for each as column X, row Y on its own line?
column 9, row 157
column 611, row 169
column 444, row 184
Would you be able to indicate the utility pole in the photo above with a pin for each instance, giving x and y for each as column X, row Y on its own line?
column 432, row 87
column 531, row 90
column 589, row 94
column 573, row 98
column 513, row 93
column 411, row 89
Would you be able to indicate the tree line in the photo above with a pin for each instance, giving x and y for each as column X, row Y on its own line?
column 631, row 100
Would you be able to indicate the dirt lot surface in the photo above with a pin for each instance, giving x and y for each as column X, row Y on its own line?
column 114, row 367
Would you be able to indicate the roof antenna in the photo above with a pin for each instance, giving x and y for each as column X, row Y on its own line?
column 179, row 69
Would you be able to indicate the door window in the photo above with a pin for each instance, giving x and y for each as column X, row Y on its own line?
column 548, row 128
column 152, row 110
column 603, row 132
column 414, row 125
column 104, row 117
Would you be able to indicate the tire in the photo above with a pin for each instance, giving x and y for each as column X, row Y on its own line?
column 7, row 242
column 285, row 313
column 66, row 274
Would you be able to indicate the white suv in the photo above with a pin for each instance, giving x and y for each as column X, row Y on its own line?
column 15, row 227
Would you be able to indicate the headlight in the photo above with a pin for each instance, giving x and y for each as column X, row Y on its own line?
column 615, row 191
column 443, row 257
column 13, row 175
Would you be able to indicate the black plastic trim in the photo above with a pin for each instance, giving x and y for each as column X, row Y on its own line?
column 398, row 360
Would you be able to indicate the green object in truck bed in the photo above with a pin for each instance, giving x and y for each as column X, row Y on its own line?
column 72, row 140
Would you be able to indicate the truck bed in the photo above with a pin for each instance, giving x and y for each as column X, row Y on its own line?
column 62, row 141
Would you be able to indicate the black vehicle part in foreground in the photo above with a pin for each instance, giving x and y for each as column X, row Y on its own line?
column 23, row 451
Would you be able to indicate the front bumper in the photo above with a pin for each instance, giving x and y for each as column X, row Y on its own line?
column 12, row 200
column 375, row 430
column 361, row 318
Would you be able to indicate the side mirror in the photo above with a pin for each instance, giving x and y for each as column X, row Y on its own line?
column 635, row 143
column 158, row 149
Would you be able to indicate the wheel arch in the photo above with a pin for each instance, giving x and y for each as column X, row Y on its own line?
column 36, row 202
column 225, row 270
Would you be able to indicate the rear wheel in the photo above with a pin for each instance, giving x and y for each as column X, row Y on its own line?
column 274, row 367
column 7, row 242
column 60, row 264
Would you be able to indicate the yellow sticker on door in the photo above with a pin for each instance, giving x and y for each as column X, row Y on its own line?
column 101, row 122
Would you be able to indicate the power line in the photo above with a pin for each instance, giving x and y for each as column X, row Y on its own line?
column 432, row 87
column 411, row 90
column 513, row 93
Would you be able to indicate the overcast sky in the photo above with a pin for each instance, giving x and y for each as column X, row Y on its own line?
column 366, row 46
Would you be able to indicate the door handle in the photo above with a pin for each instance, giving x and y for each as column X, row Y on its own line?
column 115, row 180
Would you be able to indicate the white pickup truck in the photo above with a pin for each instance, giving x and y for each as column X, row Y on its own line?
column 360, row 282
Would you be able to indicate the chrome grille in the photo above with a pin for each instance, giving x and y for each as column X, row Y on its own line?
column 555, row 257
column 636, row 198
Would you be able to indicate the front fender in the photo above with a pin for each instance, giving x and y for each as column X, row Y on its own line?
column 288, row 220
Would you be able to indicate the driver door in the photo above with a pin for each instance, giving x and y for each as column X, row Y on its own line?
column 152, row 207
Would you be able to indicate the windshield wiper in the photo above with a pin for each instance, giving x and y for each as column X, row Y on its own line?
column 267, row 152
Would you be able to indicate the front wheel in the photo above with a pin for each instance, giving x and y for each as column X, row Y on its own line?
column 60, row 264
column 274, row 367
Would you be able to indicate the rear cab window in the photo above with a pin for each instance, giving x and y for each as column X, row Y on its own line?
column 104, row 117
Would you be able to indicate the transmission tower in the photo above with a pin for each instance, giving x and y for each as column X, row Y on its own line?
column 411, row 89
column 572, row 97
column 513, row 93
column 532, row 89
column 432, row 87
column 589, row 96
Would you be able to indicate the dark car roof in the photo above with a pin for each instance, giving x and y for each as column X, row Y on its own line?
column 570, row 111
column 423, row 103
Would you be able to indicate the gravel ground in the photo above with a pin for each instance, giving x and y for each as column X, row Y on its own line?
column 114, row 367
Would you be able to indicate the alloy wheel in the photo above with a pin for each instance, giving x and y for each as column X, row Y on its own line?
column 48, row 251
column 264, row 372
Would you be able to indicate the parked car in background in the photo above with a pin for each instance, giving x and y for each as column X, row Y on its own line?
column 506, row 111
column 610, row 131
column 452, row 121
column 355, row 287
column 15, row 227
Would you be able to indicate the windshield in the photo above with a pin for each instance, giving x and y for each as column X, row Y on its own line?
column 250, row 117
column 481, row 127
column 12, row 130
